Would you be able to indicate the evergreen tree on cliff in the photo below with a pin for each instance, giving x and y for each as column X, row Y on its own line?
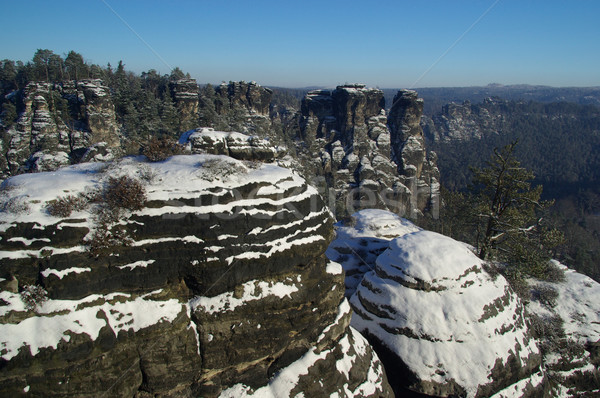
column 507, row 214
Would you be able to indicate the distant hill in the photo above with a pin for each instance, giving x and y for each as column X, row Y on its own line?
column 436, row 97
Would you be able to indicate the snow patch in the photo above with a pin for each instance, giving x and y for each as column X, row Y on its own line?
column 41, row 331
column 60, row 274
column 140, row 264
column 252, row 290
column 334, row 268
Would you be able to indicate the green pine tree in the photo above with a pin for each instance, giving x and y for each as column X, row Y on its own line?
column 507, row 214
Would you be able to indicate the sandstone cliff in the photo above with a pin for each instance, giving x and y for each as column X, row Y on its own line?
column 217, row 285
column 364, row 162
column 186, row 96
column 40, row 140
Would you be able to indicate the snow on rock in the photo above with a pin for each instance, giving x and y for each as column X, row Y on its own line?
column 360, row 239
column 252, row 290
column 450, row 327
column 304, row 377
column 578, row 304
column 566, row 315
column 236, row 145
column 60, row 274
column 79, row 317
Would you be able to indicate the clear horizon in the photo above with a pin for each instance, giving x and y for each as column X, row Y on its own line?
column 395, row 44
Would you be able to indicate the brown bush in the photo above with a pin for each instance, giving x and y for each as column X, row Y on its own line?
column 33, row 296
column 104, row 238
column 124, row 193
column 159, row 149
column 64, row 206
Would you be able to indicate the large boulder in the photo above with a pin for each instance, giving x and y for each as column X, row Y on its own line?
column 216, row 284
column 237, row 145
column 442, row 325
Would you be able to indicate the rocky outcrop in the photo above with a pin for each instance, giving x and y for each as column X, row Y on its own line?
column 237, row 145
column 99, row 113
column 418, row 170
column 361, row 239
column 363, row 162
column 186, row 96
column 251, row 97
column 217, row 286
column 442, row 325
column 41, row 140
column 467, row 121
column 37, row 131
column 242, row 107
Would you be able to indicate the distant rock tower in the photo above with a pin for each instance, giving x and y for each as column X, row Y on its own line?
column 365, row 158
column 186, row 96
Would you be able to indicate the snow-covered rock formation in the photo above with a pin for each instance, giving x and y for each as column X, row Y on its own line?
column 441, row 324
column 566, row 316
column 361, row 239
column 216, row 286
column 237, row 145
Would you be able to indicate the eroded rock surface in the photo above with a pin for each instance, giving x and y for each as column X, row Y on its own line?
column 186, row 97
column 237, row 145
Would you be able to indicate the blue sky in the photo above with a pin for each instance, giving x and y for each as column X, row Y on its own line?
column 322, row 43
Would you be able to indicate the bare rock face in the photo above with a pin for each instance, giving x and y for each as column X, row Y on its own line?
column 217, row 286
column 99, row 113
column 186, row 96
column 442, row 325
column 419, row 171
column 242, row 107
column 251, row 97
column 36, row 130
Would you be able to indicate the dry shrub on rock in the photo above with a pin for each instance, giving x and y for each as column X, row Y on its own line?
column 159, row 149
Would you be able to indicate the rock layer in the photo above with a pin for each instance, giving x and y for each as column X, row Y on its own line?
column 219, row 282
